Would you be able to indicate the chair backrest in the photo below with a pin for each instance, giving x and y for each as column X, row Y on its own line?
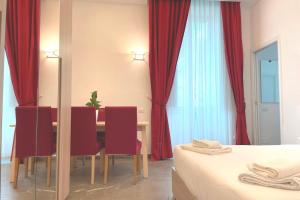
column 120, row 130
column 83, row 131
column 34, row 132
column 101, row 115
column 54, row 114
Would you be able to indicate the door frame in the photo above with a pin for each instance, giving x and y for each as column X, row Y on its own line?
column 256, row 90
column 2, row 41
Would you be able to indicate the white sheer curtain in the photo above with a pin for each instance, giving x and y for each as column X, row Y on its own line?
column 201, row 104
column 8, row 116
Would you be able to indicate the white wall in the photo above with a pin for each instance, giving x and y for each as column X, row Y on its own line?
column 277, row 19
column 2, row 38
column 104, row 36
column 247, row 45
column 49, row 41
column 65, row 96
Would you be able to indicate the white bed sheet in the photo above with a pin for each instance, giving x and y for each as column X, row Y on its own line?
column 216, row 177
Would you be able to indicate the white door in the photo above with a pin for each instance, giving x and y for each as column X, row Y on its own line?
column 268, row 108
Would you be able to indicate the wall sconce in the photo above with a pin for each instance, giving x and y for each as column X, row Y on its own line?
column 138, row 56
column 52, row 54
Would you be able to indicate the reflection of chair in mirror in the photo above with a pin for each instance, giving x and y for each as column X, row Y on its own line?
column 34, row 137
column 121, row 136
column 83, row 135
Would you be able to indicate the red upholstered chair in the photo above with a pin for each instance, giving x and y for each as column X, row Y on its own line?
column 101, row 134
column 83, row 135
column 34, row 137
column 54, row 114
column 121, row 136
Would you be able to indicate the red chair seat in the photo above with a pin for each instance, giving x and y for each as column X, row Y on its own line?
column 138, row 145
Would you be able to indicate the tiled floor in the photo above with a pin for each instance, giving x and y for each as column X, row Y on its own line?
column 119, row 187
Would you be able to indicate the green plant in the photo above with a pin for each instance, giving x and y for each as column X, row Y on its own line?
column 93, row 101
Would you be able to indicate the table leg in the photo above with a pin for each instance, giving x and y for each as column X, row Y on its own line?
column 145, row 152
column 30, row 164
column 13, row 162
column 26, row 166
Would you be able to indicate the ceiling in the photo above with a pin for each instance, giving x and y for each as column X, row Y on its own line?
column 248, row 2
column 142, row 2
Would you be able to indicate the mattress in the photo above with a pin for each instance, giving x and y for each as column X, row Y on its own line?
column 216, row 177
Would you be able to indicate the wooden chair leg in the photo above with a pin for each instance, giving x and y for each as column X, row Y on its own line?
column 93, row 170
column 16, row 173
column 29, row 164
column 13, row 163
column 113, row 160
column 135, row 167
column 139, row 158
column 102, row 153
column 106, row 164
column 73, row 164
column 32, row 165
column 26, row 167
column 83, row 160
column 49, row 162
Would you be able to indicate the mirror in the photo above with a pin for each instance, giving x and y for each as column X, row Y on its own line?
column 30, row 100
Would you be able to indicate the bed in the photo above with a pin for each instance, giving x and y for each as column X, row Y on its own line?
column 204, row 177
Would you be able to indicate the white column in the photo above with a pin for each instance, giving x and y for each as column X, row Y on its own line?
column 65, row 51
column 2, row 39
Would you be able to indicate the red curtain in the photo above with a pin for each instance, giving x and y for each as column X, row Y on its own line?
column 167, row 20
column 231, row 14
column 22, row 43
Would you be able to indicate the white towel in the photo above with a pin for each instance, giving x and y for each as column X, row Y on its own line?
column 276, row 168
column 211, row 144
column 207, row 151
column 289, row 183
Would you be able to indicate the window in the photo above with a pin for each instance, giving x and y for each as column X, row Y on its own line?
column 201, row 102
column 8, row 116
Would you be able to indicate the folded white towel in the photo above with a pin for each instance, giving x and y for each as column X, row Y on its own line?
column 290, row 183
column 207, row 151
column 211, row 144
column 276, row 169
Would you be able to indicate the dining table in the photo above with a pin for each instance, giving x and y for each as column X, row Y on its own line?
column 141, row 128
